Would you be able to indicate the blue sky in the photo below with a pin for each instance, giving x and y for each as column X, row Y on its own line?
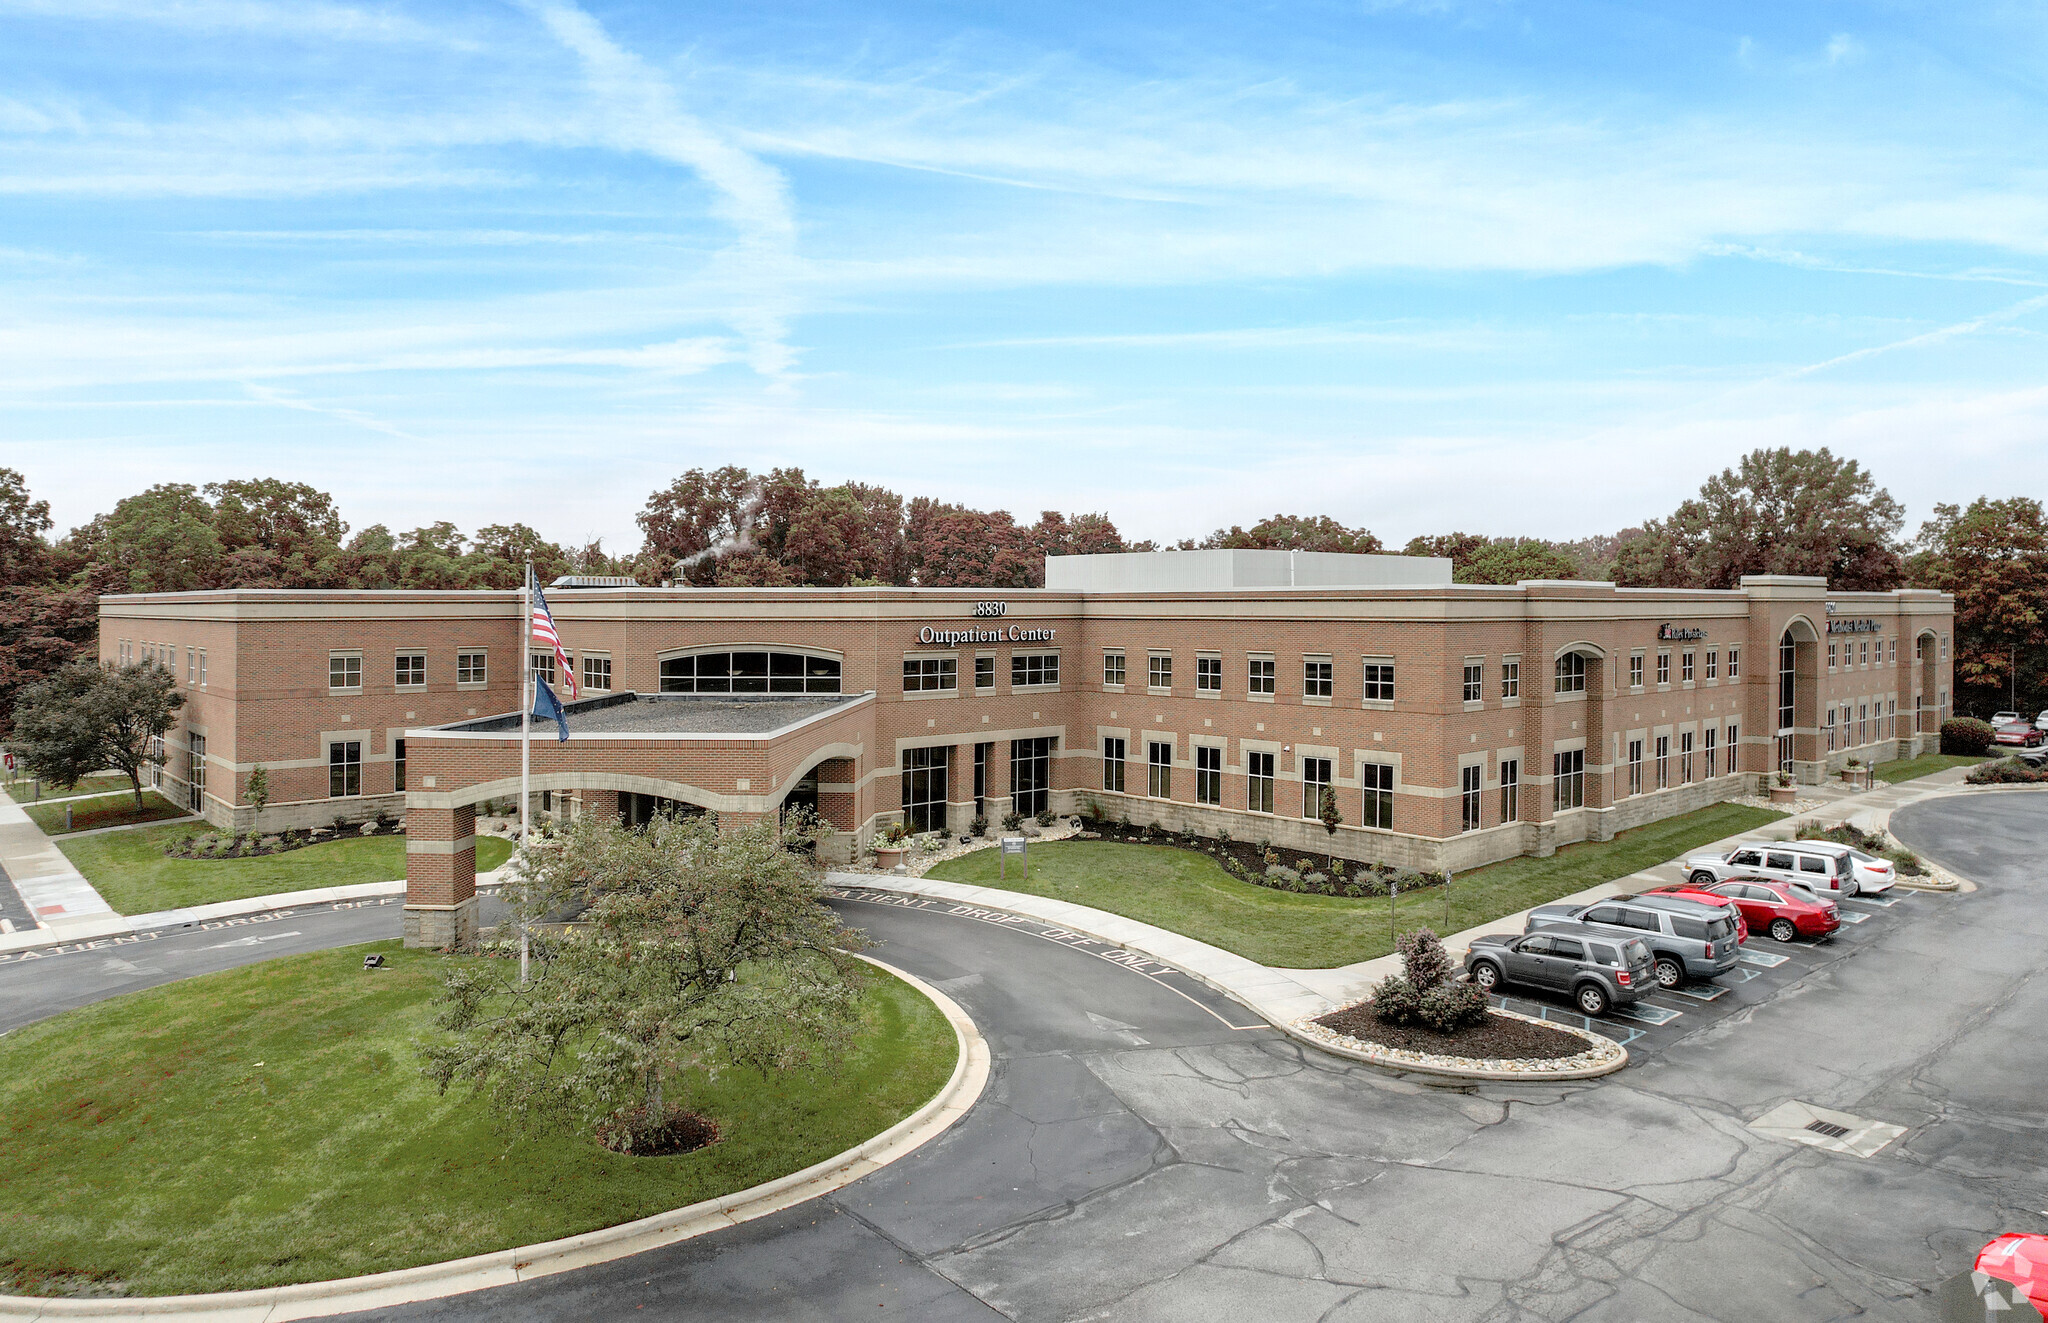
column 1498, row 266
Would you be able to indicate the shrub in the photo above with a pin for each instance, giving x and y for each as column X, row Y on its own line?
column 1395, row 1000
column 1280, row 875
column 340, row 823
column 1966, row 736
column 1451, row 1006
column 1223, row 835
column 1906, row 861
column 1424, row 959
column 2004, row 772
column 1353, row 890
column 1371, row 884
column 1337, row 867
column 1316, row 881
column 1013, row 821
column 273, row 842
column 1327, row 810
column 979, row 826
column 1047, row 818
column 893, row 835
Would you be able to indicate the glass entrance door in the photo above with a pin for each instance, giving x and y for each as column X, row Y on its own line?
column 924, row 788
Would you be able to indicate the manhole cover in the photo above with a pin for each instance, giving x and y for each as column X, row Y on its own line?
column 1823, row 1127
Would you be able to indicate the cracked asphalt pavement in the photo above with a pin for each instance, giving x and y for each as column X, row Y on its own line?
column 1135, row 1157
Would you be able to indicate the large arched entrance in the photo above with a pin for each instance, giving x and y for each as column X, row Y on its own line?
column 1797, row 694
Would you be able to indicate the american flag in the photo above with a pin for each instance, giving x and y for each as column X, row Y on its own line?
column 544, row 632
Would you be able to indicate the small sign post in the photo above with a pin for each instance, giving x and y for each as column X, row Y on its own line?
column 1012, row 845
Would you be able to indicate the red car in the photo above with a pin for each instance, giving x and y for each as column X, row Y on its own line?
column 1706, row 896
column 2022, row 733
column 2019, row 1257
column 1785, row 910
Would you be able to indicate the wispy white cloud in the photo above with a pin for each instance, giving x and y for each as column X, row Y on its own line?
column 325, row 22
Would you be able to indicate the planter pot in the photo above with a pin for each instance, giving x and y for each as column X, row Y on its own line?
column 889, row 858
column 1784, row 794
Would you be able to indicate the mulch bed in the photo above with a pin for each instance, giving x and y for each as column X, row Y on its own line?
column 1246, row 855
column 1500, row 1037
column 296, row 838
column 123, row 815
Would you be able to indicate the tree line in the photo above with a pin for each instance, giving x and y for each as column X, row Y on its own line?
column 1779, row 511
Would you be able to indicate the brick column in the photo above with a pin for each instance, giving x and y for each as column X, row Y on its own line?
column 600, row 804
column 440, row 877
column 998, row 796
column 836, row 806
column 960, row 788
column 1599, row 749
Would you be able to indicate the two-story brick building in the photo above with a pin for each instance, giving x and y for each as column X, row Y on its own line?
column 1454, row 724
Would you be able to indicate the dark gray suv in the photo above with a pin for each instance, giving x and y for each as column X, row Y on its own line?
column 1686, row 939
column 1596, row 969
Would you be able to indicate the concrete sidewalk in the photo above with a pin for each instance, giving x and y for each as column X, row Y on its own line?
column 54, row 893
column 1285, row 995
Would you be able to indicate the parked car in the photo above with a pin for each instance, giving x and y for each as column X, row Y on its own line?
column 2019, row 732
column 1595, row 968
column 1785, row 910
column 2021, row 1258
column 2004, row 718
column 1703, row 896
column 1875, row 874
column 2041, row 722
column 1686, row 940
column 1823, row 866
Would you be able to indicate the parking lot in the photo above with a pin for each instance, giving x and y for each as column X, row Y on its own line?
column 1663, row 1017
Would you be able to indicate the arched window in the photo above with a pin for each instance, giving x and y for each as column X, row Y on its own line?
column 749, row 672
column 1788, row 664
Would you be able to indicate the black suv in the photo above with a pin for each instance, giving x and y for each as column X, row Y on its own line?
column 1596, row 968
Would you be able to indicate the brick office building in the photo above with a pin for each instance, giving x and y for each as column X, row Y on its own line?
column 1454, row 724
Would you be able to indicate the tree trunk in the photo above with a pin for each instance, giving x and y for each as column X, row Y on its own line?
column 135, row 779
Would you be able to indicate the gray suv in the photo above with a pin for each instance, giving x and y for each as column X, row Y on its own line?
column 1686, row 939
column 1595, row 968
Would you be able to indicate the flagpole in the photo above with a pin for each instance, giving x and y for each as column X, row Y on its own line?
column 526, row 697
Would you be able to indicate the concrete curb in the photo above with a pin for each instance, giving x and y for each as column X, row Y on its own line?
column 1488, row 1073
column 503, row 1267
column 1210, row 966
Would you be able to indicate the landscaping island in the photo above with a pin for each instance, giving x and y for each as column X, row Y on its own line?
column 116, row 810
column 270, row 1125
column 1185, row 890
column 133, row 874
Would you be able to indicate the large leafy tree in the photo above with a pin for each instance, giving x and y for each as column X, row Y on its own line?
column 24, row 555
column 698, row 949
column 1780, row 511
column 1282, row 532
column 1993, row 556
column 89, row 716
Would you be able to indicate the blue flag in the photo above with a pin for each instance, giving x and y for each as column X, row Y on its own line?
column 545, row 704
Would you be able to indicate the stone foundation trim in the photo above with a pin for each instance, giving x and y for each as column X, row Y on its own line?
column 414, row 845
column 437, row 1281
column 441, row 927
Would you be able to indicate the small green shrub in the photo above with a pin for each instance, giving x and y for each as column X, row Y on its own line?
column 2004, row 772
column 1424, row 959
column 1047, row 818
column 1280, row 875
column 979, row 825
column 1451, row 1006
column 1013, row 821
column 1395, row 1000
column 1966, row 736
column 1315, row 881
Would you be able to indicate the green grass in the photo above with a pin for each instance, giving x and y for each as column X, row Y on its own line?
column 24, row 792
column 106, row 811
column 1906, row 769
column 269, row 1125
column 1188, row 892
column 132, row 872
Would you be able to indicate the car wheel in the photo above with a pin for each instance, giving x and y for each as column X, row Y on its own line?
column 1783, row 930
column 1592, row 999
column 1702, row 878
column 1670, row 972
column 1485, row 975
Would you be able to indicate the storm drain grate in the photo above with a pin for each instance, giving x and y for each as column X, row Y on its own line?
column 1828, row 1128
column 1825, row 1128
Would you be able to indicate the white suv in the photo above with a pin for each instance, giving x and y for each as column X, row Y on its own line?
column 1823, row 867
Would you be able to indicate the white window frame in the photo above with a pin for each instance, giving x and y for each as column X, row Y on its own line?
column 463, row 658
column 1387, row 682
column 1115, row 657
column 1261, row 677
column 345, row 656
column 398, row 667
column 1208, row 675
column 584, row 662
column 1048, row 659
column 1327, row 680
column 1158, row 666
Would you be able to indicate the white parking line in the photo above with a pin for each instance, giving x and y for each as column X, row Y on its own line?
column 1698, row 993
column 1853, row 918
column 1646, row 1013
column 1764, row 959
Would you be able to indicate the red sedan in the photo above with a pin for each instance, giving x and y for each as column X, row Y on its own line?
column 1708, row 897
column 1783, row 909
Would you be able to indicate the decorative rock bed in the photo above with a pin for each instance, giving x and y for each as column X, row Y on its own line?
column 1602, row 1055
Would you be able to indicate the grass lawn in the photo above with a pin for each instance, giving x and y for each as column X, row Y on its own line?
column 270, row 1125
column 1189, row 893
column 1906, row 769
column 131, row 870
column 106, row 811
column 24, row 792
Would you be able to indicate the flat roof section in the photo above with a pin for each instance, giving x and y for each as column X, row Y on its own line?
column 671, row 714
column 1213, row 570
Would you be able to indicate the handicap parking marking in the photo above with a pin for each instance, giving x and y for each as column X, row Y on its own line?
column 1697, row 993
column 1646, row 1013
column 1854, row 918
column 1882, row 902
column 1765, row 959
column 1620, row 1033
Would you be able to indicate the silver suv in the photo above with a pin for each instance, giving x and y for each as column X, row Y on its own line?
column 1820, row 866
column 1687, row 940
column 1596, row 969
